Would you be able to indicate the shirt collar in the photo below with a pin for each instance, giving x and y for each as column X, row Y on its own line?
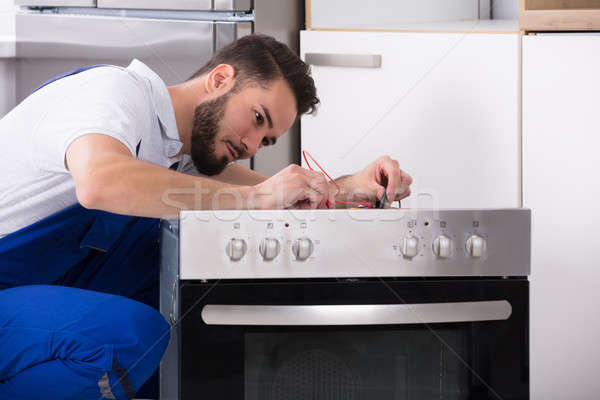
column 162, row 105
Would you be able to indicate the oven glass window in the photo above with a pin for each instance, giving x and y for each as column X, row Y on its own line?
column 355, row 365
column 480, row 359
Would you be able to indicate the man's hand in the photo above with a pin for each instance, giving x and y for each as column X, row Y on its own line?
column 292, row 187
column 370, row 183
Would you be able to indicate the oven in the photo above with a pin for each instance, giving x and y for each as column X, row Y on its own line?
column 369, row 304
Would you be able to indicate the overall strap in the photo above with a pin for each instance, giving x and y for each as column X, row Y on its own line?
column 73, row 72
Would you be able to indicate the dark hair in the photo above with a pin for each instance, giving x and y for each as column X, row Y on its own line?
column 262, row 59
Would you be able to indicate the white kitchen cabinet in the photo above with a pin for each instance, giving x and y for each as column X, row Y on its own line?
column 446, row 105
column 561, row 125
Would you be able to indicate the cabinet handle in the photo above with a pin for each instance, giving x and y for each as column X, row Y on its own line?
column 357, row 314
column 344, row 60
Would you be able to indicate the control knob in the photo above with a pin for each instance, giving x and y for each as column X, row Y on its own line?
column 236, row 248
column 442, row 246
column 475, row 246
column 410, row 246
column 302, row 248
column 269, row 248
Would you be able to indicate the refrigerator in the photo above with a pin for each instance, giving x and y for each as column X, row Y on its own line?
column 173, row 37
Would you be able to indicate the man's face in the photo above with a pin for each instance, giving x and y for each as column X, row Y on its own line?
column 235, row 125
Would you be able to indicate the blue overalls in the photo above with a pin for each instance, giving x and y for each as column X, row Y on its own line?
column 70, row 325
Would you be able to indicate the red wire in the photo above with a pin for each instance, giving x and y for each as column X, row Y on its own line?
column 328, row 204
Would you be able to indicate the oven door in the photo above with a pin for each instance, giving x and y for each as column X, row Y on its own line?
column 354, row 339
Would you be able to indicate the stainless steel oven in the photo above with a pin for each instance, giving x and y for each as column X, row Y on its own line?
column 365, row 304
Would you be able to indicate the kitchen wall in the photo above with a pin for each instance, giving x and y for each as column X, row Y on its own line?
column 505, row 9
column 499, row 9
column 346, row 13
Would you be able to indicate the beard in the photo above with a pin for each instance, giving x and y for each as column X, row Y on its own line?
column 206, row 125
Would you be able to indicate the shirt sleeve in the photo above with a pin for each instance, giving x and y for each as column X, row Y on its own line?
column 114, row 103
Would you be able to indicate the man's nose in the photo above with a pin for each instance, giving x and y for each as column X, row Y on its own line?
column 251, row 142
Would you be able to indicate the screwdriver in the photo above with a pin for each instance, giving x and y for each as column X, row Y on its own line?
column 381, row 203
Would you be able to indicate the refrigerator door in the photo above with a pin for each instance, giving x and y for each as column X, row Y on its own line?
column 47, row 47
column 56, row 3
column 219, row 5
column 231, row 5
column 157, row 4
column 227, row 32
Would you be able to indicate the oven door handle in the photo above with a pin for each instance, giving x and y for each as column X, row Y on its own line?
column 359, row 314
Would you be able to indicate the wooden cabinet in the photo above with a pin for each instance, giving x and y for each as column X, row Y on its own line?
column 559, row 15
column 561, row 125
column 446, row 105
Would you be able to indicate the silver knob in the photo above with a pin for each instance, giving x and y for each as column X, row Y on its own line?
column 236, row 248
column 410, row 246
column 269, row 248
column 442, row 246
column 476, row 246
column 302, row 248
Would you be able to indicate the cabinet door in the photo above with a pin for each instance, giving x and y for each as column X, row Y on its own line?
column 561, row 121
column 446, row 105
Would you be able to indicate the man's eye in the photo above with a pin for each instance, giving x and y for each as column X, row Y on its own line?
column 265, row 142
column 259, row 118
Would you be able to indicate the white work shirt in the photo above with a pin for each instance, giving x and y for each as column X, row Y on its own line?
column 129, row 104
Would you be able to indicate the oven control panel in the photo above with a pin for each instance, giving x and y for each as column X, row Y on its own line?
column 353, row 243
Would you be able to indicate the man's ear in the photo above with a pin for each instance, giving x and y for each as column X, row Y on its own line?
column 221, row 79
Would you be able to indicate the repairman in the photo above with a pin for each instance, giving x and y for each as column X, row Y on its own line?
column 91, row 160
